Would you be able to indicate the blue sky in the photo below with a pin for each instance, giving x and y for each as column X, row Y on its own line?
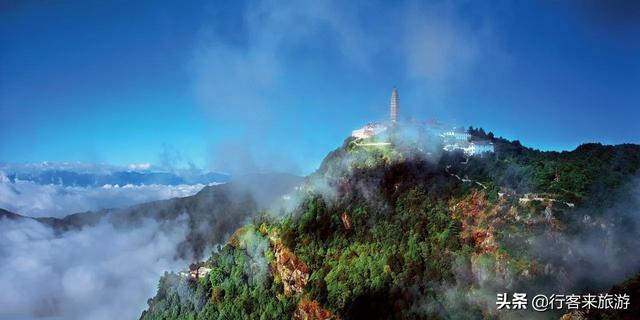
column 258, row 85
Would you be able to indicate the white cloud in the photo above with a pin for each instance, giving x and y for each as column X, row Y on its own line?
column 34, row 200
column 246, row 81
column 99, row 272
column 441, row 46
column 437, row 45
column 139, row 166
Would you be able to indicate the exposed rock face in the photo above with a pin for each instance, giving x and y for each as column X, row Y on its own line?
column 311, row 310
column 481, row 223
column 478, row 222
column 293, row 272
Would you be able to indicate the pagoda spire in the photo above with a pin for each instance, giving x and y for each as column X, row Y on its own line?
column 395, row 105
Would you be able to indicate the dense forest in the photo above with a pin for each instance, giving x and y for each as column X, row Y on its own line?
column 405, row 232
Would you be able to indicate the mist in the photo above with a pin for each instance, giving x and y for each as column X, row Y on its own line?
column 596, row 248
column 599, row 238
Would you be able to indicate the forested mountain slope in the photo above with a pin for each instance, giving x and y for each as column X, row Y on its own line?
column 404, row 231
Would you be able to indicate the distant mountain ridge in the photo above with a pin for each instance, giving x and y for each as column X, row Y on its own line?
column 10, row 215
column 79, row 179
column 222, row 207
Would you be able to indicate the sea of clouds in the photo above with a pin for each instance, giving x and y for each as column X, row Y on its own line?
column 34, row 200
column 98, row 272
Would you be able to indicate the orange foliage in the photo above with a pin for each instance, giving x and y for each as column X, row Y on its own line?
column 311, row 310
column 477, row 221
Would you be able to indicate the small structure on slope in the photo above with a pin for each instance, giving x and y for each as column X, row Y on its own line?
column 196, row 271
column 346, row 220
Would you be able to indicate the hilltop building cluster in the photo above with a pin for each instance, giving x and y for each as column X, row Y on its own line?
column 451, row 139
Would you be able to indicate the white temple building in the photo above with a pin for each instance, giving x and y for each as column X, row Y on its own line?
column 369, row 130
column 451, row 139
